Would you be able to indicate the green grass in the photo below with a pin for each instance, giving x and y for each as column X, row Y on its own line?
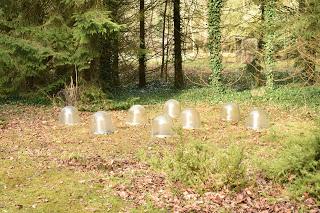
column 26, row 186
column 283, row 96
column 295, row 162
column 287, row 96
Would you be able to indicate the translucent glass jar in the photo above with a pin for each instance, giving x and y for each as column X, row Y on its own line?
column 257, row 120
column 172, row 108
column 69, row 115
column 230, row 113
column 162, row 127
column 190, row 119
column 136, row 115
column 101, row 123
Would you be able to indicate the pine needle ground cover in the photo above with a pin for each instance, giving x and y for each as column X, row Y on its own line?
column 47, row 167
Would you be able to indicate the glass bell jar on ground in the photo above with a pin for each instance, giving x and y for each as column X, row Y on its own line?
column 101, row 123
column 136, row 115
column 162, row 127
column 190, row 119
column 69, row 115
column 231, row 113
column 257, row 120
column 172, row 108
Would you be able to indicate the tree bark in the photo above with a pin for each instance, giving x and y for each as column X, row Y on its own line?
column 142, row 52
column 269, row 49
column 167, row 51
column 163, row 39
column 178, row 72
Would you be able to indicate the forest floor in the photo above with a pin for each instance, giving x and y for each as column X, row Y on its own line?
column 47, row 167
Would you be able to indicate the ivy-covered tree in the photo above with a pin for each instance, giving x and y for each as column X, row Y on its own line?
column 214, row 22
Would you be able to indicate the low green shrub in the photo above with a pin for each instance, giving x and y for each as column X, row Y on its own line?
column 298, row 158
column 200, row 165
column 310, row 184
column 230, row 168
column 297, row 165
column 191, row 164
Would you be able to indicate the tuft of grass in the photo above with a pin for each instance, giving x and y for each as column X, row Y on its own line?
column 3, row 121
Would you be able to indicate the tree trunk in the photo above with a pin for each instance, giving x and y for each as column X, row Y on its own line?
column 142, row 52
column 270, row 13
column 167, row 51
column 178, row 72
column 214, row 21
column 115, row 44
column 163, row 38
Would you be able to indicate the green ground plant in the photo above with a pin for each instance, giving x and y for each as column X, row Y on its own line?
column 201, row 166
column 297, row 164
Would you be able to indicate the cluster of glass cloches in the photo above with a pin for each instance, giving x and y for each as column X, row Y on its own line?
column 162, row 125
column 257, row 119
column 101, row 122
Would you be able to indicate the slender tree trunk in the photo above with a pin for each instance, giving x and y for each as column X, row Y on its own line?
column 270, row 13
column 178, row 72
column 167, row 51
column 262, row 9
column 142, row 52
column 163, row 38
column 115, row 43
column 214, row 21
